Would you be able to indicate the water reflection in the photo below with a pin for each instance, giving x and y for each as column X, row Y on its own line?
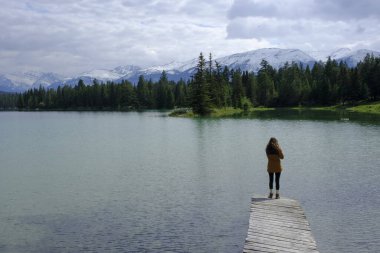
column 308, row 114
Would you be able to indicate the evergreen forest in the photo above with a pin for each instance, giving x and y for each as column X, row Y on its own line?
column 213, row 86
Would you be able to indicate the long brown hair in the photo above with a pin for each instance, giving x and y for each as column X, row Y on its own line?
column 272, row 147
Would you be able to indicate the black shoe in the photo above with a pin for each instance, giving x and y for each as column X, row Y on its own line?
column 270, row 195
column 277, row 196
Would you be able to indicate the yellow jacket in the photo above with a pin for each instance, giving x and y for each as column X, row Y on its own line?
column 274, row 162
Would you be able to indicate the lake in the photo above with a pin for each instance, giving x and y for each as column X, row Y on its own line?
column 145, row 182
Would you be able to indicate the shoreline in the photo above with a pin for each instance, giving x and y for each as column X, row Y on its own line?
column 372, row 108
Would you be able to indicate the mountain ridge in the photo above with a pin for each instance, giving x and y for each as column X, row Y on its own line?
column 246, row 61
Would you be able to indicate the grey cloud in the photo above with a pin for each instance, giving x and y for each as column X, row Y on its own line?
column 249, row 8
column 321, row 23
column 294, row 9
column 374, row 45
column 216, row 8
column 150, row 7
column 134, row 3
column 347, row 9
column 264, row 28
column 360, row 29
column 270, row 8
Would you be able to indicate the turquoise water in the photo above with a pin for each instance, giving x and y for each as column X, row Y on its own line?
column 144, row 182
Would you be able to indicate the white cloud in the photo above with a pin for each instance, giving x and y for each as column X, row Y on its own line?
column 73, row 36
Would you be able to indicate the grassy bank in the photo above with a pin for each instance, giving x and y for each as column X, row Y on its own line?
column 217, row 112
column 373, row 107
column 365, row 107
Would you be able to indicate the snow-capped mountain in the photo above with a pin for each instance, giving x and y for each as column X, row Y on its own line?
column 247, row 61
column 172, row 67
column 352, row 58
column 105, row 74
column 102, row 75
column 339, row 53
column 250, row 61
column 323, row 55
column 16, row 82
column 7, row 85
column 126, row 70
column 174, row 71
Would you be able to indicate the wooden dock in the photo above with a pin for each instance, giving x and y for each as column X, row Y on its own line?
column 278, row 225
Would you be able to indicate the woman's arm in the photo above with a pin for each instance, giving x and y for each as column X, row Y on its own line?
column 280, row 154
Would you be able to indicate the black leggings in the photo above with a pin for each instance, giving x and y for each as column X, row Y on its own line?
column 278, row 174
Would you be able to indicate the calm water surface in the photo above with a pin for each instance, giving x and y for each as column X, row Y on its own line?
column 144, row 182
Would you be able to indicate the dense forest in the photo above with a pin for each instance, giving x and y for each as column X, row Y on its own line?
column 8, row 100
column 214, row 86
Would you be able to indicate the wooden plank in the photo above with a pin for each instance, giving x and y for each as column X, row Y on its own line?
column 269, row 222
column 280, row 243
column 258, row 247
column 279, row 248
column 283, row 212
column 279, row 210
column 300, row 219
column 299, row 235
column 278, row 225
column 291, row 234
column 278, row 218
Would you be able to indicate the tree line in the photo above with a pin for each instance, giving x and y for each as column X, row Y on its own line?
column 214, row 86
column 323, row 84
column 163, row 94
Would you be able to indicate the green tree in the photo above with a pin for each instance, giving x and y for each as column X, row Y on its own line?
column 369, row 71
column 266, row 92
column 161, row 91
column 237, row 89
column 143, row 93
column 249, row 84
column 344, row 83
column 180, row 94
column 201, row 103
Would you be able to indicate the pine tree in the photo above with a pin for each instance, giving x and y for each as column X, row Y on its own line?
column 222, row 95
column 266, row 92
column 212, row 83
column 142, row 92
column 161, row 91
column 180, row 94
column 200, row 91
column 369, row 73
column 237, row 89
column 20, row 101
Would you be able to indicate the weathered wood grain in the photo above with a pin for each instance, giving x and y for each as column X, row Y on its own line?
column 278, row 225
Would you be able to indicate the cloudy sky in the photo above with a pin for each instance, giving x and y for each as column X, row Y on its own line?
column 72, row 36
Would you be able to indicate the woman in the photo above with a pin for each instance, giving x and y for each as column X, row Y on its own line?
column 274, row 154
